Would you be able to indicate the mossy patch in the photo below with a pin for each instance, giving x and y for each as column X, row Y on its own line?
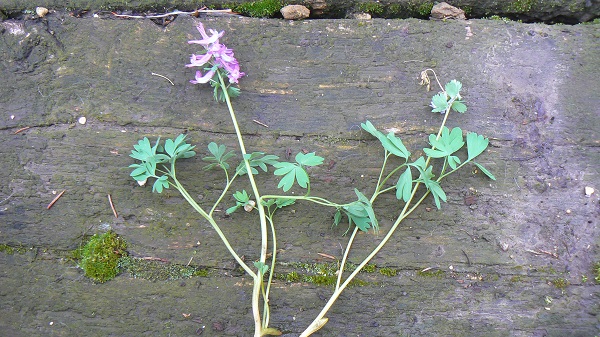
column 560, row 283
column 596, row 272
column 373, row 8
column 4, row 248
column 521, row 6
column 386, row 271
column 159, row 271
column 435, row 273
column 259, row 9
column 99, row 257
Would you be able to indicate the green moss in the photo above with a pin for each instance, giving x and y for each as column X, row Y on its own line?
column 560, row 283
column 321, row 280
column 7, row 249
column 431, row 273
column 373, row 8
column 20, row 249
column 596, row 272
column 292, row 277
column 369, row 268
column 318, row 268
column 99, row 257
column 521, row 6
column 499, row 18
column 516, row 278
column 424, row 9
column 159, row 271
column 386, row 271
column 259, row 9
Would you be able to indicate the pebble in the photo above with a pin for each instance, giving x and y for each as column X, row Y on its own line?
column 444, row 11
column 41, row 11
column 589, row 191
column 295, row 12
column 82, row 120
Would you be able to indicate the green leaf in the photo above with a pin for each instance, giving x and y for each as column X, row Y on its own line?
column 242, row 196
column 160, row 183
column 283, row 202
column 360, row 213
column 448, row 143
column 437, row 192
column 140, row 169
column 309, row 159
column 368, row 209
column 232, row 209
column 257, row 159
column 337, row 217
column 390, row 142
column 476, row 144
column 453, row 89
column 419, row 164
column 301, row 177
column 261, row 266
column 219, row 156
column 170, row 147
column 399, row 146
column 287, row 181
column 459, row 106
column 292, row 172
column 453, row 161
column 485, row 171
column 233, row 91
column 439, row 102
column 142, row 150
column 404, row 185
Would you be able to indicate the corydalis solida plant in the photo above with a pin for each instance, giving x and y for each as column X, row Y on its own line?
column 411, row 179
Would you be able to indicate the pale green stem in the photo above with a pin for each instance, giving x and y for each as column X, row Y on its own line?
column 227, row 186
column 344, row 258
column 199, row 209
column 261, row 212
column 319, row 321
column 316, row 200
column 266, row 310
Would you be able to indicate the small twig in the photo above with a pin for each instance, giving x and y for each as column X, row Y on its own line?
column 467, row 256
column 55, row 199
column 165, row 77
column 541, row 252
column 216, row 11
column 3, row 200
column 327, row 256
column 260, row 123
column 190, row 261
column 21, row 130
column 470, row 235
column 554, row 255
column 151, row 258
column 112, row 206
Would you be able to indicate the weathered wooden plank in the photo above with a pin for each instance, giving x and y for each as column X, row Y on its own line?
column 530, row 88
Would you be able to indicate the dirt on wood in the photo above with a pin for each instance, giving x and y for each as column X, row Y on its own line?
column 511, row 257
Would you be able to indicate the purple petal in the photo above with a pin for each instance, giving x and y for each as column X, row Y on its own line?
column 207, row 40
column 203, row 79
column 199, row 60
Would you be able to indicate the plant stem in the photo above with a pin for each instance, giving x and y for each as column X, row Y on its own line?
column 319, row 321
column 227, row 185
column 261, row 212
column 266, row 311
column 215, row 226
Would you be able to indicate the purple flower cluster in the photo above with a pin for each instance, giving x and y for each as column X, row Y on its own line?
column 221, row 56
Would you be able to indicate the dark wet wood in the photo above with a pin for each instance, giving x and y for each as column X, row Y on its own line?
column 530, row 88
